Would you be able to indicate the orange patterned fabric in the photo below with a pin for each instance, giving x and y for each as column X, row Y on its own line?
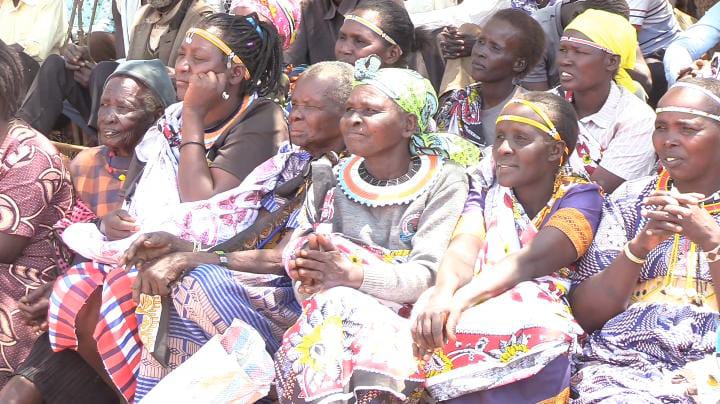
column 35, row 192
column 576, row 227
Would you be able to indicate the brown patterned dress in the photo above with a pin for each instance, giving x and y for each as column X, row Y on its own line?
column 35, row 192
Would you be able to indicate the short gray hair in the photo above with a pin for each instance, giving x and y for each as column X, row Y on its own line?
column 343, row 75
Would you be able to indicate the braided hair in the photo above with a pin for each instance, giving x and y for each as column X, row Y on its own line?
column 11, row 82
column 257, row 43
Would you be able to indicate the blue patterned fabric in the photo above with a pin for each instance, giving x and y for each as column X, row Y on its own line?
column 636, row 354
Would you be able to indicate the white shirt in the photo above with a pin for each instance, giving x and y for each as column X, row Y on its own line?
column 618, row 137
column 657, row 21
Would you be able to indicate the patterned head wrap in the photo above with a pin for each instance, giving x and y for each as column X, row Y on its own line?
column 415, row 95
column 613, row 34
column 285, row 15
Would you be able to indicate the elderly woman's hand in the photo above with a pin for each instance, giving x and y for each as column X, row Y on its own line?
column 118, row 225
column 321, row 266
column 152, row 246
column 156, row 278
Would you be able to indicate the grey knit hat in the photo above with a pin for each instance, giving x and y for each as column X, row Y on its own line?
column 152, row 74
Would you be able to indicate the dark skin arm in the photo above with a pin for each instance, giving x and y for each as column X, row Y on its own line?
column 607, row 180
column 607, row 293
column 529, row 263
column 196, row 180
column 156, row 277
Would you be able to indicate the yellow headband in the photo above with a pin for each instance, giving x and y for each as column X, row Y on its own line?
column 546, row 126
column 372, row 27
column 213, row 39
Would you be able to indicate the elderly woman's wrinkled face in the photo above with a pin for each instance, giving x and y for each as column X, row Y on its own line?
column 123, row 117
column 581, row 66
column 357, row 41
column 522, row 153
column 687, row 144
column 495, row 52
column 373, row 124
column 315, row 117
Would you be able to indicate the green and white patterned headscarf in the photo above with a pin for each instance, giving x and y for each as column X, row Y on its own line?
column 415, row 95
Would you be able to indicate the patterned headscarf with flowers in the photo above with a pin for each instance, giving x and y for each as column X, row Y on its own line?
column 415, row 95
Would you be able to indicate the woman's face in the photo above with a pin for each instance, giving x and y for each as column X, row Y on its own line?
column 373, row 124
column 357, row 41
column 523, row 153
column 687, row 144
column 495, row 52
column 122, row 118
column 583, row 67
column 315, row 118
column 198, row 56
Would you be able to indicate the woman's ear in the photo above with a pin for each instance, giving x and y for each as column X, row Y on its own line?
column 237, row 74
column 411, row 125
column 557, row 151
column 520, row 65
column 612, row 63
column 393, row 55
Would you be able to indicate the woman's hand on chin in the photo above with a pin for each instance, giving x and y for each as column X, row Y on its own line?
column 205, row 90
column 321, row 266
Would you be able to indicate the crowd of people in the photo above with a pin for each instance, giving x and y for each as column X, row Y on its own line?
column 363, row 201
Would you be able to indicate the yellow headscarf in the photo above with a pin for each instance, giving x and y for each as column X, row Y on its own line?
column 613, row 32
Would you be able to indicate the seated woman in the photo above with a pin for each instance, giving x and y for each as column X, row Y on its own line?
column 224, row 68
column 496, row 327
column 35, row 192
column 135, row 96
column 508, row 47
column 374, row 245
column 248, row 283
column 615, row 126
column 647, row 288
column 380, row 28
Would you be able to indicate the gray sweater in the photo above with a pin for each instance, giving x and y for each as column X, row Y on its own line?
column 423, row 226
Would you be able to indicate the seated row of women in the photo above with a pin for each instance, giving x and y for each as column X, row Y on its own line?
column 364, row 252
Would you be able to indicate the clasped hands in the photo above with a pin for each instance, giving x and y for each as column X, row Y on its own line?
column 320, row 266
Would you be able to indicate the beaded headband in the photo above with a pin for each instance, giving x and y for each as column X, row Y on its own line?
column 372, row 27
column 220, row 44
column 546, row 126
column 587, row 43
column 693, row 111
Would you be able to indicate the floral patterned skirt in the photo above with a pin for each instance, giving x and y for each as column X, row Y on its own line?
column 347, row 345
column 508, row 338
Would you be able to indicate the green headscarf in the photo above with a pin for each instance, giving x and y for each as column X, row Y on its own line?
column 415, row 95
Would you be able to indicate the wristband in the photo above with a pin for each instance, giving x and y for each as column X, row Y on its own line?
column 222, row 258
column 632, row 257
column 192, row 142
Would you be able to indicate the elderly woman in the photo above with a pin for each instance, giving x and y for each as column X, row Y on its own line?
column 374, row 245
column 596, row 50
column 199, row 148
column 35, row 192
column 527, row 220
column 135, row 96
column 646, row 290
column 245, row 280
